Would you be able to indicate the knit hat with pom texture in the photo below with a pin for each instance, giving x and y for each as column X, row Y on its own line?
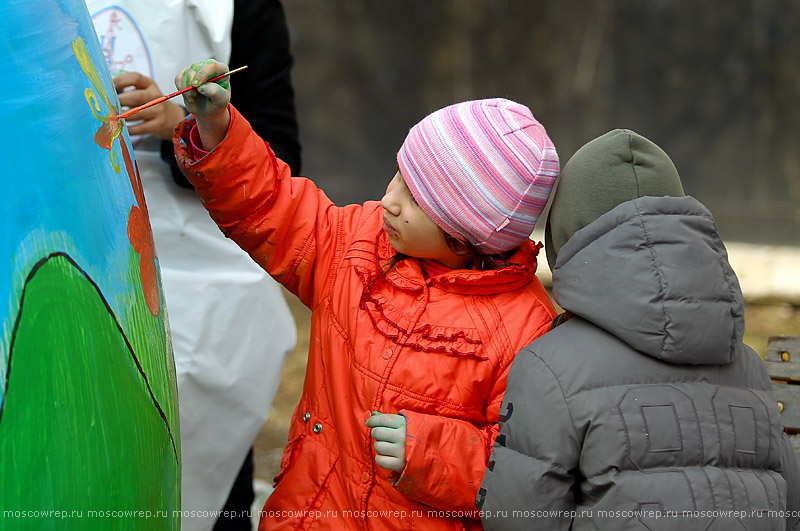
column 481, row 170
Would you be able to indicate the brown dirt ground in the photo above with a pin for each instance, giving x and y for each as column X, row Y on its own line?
column 762, row 321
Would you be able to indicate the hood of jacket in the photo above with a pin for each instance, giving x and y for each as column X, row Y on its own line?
column 654, row 273
column 634, row 256
column 613, row 168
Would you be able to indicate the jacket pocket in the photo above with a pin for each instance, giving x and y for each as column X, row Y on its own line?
column 288, row 458
column 308, row 474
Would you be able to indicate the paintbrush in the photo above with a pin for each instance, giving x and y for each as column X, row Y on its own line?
column 156, row 101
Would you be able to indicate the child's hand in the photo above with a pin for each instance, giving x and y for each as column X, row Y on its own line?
column 209, row 103
column 389, row 432
column 210, row 99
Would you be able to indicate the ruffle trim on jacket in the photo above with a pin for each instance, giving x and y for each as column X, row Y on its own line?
column 391, row 298
column 396, row 325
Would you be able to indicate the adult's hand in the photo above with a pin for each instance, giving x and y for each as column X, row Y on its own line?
column 159, row 120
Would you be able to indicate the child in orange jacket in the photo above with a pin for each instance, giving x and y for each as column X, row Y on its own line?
column 419, row 303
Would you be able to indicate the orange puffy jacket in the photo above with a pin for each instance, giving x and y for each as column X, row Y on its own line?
column 438, row 349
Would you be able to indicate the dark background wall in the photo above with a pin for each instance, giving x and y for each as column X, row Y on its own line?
column 714, row 83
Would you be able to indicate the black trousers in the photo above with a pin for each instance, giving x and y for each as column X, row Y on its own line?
column 240, row 499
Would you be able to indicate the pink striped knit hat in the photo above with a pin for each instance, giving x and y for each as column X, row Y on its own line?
column 481, row 170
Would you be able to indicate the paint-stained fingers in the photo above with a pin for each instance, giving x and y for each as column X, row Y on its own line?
column 389, row 449
column 199, row 73
column 391, row 435
column 386, row 420
column 394, row 464
column 186, row 77
column 213, row 69
column 210, row 99
column 218, row 96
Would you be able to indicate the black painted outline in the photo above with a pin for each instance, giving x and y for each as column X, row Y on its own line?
column 30, row 276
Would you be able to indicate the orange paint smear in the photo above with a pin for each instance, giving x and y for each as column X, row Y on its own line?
column 109, row 130
column 140, row 235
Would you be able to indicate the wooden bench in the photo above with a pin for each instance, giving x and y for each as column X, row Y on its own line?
column 783, row 364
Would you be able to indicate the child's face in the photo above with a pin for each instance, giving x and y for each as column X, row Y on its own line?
column 411, row 231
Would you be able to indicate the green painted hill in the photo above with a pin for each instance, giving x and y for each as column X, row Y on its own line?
column 80, row 429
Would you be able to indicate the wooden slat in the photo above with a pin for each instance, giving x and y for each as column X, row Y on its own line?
column 783, row 358
column 788, row 396
column 796, row 443
column 783, row 364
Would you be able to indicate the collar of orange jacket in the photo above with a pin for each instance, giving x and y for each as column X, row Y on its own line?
column 519, row 273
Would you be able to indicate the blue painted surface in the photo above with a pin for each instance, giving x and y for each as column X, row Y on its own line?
column 61, row 192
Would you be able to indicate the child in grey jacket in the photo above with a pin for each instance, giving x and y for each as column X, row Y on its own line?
column 643, row 409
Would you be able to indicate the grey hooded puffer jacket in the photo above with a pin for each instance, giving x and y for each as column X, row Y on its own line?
column 645, row 410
